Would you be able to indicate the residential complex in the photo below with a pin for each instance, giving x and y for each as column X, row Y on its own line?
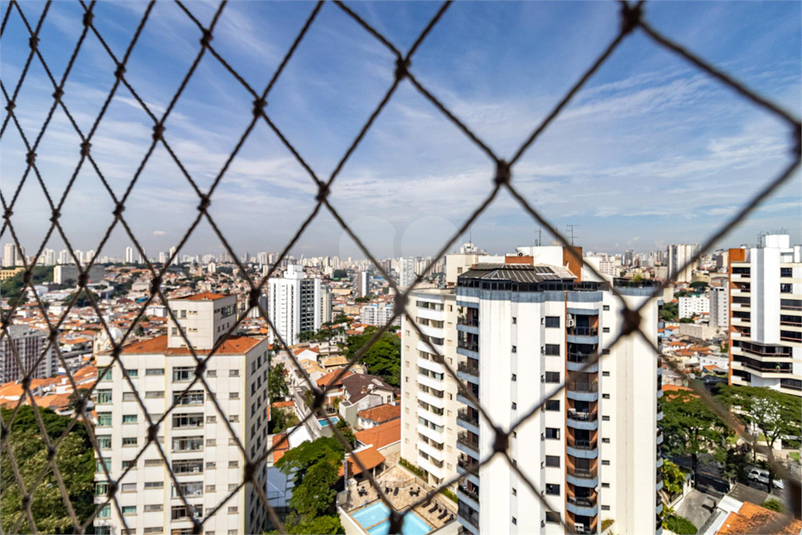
column 28, row 344
column 297, row 303
column 406, row 272
column 203, row 455
column 594, row 448
column 376, row 313
column 678, row 256
column 429, row 396
column 719, row 307
column 693, row 305
column 68, row 273
column 766, row 315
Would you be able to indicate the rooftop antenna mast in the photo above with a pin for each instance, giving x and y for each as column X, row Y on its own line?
column 571, row 230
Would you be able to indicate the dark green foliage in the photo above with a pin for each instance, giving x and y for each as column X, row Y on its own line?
column 774, row 505
column 384, row 356
column 348, row 433
column 450, row 495
column 283, row 419
column 339, row 274
column 699, row 285
column 76, row 463
column 669, row 311
column 679, row 525
column 411, row 467
column 314, row 468
column 12, row 287
column 82, row 299
column 277, row 389
column 673, row 478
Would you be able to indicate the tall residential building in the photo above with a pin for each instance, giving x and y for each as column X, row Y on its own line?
column 297, row 303
column 362, row 283
column 129, row 255
column 29, row 344
column 406, row 272
column 64, row 274
column 9, row 255
column 678, row 256
column 766, row 315
column 719, row 307
column 429, row 395
column 206, row 461
column 594, row 449
column 693, row 305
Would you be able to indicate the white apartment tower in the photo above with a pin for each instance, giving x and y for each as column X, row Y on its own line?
column 719, row 307
column 593, row 449
column 129, row 255
column 429, row 395
column 766, row 315
column 406, row 272
column 9, row 255
column 362, row 283
column 204, row 458
column 297, row 303
column 678, row 256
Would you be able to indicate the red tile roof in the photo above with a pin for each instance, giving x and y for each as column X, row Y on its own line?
column 329, row 377
column 235, row 345
column 370, row 458
column 205, row 296
column 381, row 435
column 382, row 413
column 752, row 518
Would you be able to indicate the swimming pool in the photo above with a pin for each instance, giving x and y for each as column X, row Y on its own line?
column 375, row 520
column 325, row 423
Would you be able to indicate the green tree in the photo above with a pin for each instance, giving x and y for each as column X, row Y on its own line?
column 348, row 433
column 283, row 419
column 383, row 358
column 277, row 388
column 673, row 478
column 774, row 505
column 776, row 414
column 690, row 427
column 669, row 312
column 82, row 299
column 76, row 463
column 339, row 274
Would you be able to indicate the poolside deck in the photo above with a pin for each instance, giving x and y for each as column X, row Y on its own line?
column 395, row 478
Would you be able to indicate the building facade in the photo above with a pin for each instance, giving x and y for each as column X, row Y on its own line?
column 678, row 256
column 205, row 459
column 29, row 345
column 719, row 307
column 69, row 272
column 376, row 314
column 429, row 396
column 766, row 315
column 593, row 448
column 297, row 303
column 406, row 272
column 693, row 305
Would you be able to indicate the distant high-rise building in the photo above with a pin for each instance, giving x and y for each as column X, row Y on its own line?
column 28, row 344
column 629, row 258
column 719, row 307
column 362, row 283
column 64, row 257
column 172, row 254
column 264, row 258
column 89, row 256
column 406, row 272
column 765, row 325
column 297, row 303
column 376, row 314
column 12, row 256
column 129, row 255
column 197, row 445
column 162, row 257
column 678, row 256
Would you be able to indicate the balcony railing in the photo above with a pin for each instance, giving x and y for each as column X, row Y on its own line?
column 582, row 386
column 582, row 444
column 579, row 357
column 584, row 473
column 583, row 331
column 470, row 370
column 470, row 321
column 470, row 346
column 473, row 494
column 582, row 501
column 466, row 416
column 466, row 440
column 466, row 513
column 578, row 416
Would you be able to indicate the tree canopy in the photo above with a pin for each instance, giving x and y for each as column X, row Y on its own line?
column 277, row 388
column 384, row 356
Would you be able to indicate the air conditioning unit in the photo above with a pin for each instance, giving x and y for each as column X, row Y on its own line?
column 542, row 378
column 543, row 350
column 570, row 322
column 579, row 528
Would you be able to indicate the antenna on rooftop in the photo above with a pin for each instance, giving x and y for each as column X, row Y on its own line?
column 571, row 230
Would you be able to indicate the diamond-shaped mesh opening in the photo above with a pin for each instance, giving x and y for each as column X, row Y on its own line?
column 43, row 488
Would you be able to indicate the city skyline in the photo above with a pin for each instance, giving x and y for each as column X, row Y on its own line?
column 619, row 135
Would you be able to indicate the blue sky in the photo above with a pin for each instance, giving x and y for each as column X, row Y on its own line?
column 650, row 152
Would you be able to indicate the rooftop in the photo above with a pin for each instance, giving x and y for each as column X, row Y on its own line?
column 381, row 435
column 205, row 296
column 517, row 273
column 752, row 518
column 234, row 345
column 381, row 413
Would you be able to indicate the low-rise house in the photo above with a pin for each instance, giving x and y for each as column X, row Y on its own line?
column 378, row 415
column 362, row 392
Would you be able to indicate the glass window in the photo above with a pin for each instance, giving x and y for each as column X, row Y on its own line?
column 154, row 371
column 183, row 373
column 552, row 489
column 129, row 418
column 552, row 377
column 103, row 397
column 553, row 432
column 188, row 466
column 105, row 511
column 552, row 321
column 552, row 517
column 129, row 396
column 552, row 405
column 553, row 349
column 193, row 397
column 105, row 375
column 152, row 508
column 553, row 460
column 128, row 487
column 154, row 484
column 155, row 394
column 104, row 419
column 129, row 509
column 133, row 373
column 187, row 420
column 104, row 442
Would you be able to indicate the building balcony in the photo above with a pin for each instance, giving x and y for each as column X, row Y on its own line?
column 468, row 517
column 468, row 444
column 471, row 497
column 582, row 420
column 659, row 484
column 659, row 411
column 582, row 477
column 582, row 506
column 468, row 372
column 468, row 349
column 464, row 465
column 582, row 391
column 581, row 448
column 583, row 335
column 465, row 401
column 472, row 321
column 468, row 421
column 578, row 361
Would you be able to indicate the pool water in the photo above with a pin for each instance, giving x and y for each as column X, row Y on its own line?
column 375, row 519
column 325, row 423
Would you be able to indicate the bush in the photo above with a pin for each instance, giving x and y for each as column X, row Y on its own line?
column 411, row 467
column 606, row 523
column 774, row 505
column 679, row 525
column 450, row 495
